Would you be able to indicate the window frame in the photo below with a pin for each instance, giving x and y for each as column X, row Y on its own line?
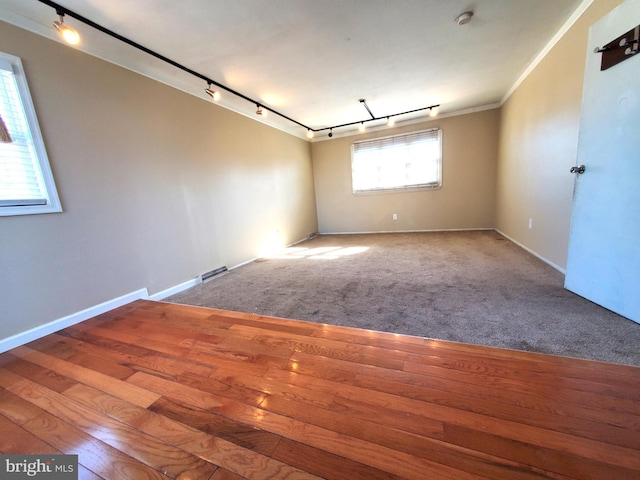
column 52, row 204
column 406, row 187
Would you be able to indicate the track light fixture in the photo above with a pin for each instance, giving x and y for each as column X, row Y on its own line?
column 66, row 32
column 390, row 119
column 214, row 94
column 71, row 36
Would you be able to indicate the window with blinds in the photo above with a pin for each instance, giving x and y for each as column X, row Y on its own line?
column 26, row 183
column 398, row 162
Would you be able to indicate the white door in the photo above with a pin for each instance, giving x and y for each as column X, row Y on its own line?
column 604, row 245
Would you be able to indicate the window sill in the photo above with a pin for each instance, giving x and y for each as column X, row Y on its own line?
column 397, row 190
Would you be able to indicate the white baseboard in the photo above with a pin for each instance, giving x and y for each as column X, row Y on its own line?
column 175, row 289
column 246, row 262
column 251, row 260
column 535, row 254
column 409, row 231
column 51, row 327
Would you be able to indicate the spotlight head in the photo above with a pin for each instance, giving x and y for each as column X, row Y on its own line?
column 68, row 34
column 214, row 94
column 330, row 134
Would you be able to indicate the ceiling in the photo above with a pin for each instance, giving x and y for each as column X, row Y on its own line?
column 312, row 60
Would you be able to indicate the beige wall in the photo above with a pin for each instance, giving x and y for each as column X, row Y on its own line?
column 538, row 145
column 157, row 187
column 465, row 201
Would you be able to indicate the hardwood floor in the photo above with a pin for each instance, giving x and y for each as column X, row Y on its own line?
column 154, row 390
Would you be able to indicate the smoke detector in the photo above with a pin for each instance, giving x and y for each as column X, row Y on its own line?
column 464, row 18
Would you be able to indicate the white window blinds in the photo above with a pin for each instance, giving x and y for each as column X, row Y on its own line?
column 26, row 184
column 406, row 161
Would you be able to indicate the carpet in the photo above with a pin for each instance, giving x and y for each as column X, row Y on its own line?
column 473, row 287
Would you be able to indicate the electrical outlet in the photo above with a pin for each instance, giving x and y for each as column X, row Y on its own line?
column 530, row 223
column 395, row 216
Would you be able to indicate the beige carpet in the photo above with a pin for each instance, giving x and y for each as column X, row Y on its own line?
column 474, row 287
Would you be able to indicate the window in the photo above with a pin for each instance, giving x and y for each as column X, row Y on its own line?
column 400, row 162
column 26, row 183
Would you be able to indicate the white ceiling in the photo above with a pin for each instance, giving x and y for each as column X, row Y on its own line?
column 312, row 60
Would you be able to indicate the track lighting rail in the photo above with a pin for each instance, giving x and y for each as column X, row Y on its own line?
column 373, row 119
column 364, row 102
column 62, row 11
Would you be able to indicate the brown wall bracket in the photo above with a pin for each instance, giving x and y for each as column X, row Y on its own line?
column 620, row 49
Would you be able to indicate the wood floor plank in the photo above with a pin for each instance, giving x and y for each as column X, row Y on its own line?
column 555, row 461
column 102, row 365
column 366, row 452
column 89, row 377
column 242, row 461
column 514, row 392
column 362, row 451
column 418, row 445
column 218, row 330
column 327, row 465
column 16, row 409
column 441, row 350
column 141, row 326
column 333, row 348
column 96, row 456
column 8, row 378
column 211, row 423
column 452, row 349
column 275, row 384
column 153, row 387
column 234, row 458
column 206, row 358
column 223, row 474
column 17, row 441
column 607, row 409
column 324, row 368
column 626, row 387
column 176, row 391
column 112, row 348
column 592, row 449
column 229, row 390
column 146, row 449
column 554, row 418
column 85, row 474
column 228, row 318
column 135, row 357
column 38, row 374
column 246, row 463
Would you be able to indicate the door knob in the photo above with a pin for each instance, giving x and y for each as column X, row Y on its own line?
column 579, row 169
